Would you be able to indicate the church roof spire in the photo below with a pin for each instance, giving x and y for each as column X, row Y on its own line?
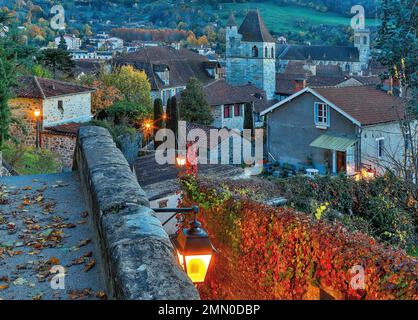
column 253, row 28
column 231, row 21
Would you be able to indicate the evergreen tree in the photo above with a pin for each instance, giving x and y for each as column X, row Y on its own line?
column 248, row 117
column 173, row 116
column 56, row 60
column 6, row 78
column 62, row 45
column 158, row 118
column 194, row 106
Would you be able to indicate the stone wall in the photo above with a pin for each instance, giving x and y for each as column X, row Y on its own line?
column 61, row 144
column 138, row 258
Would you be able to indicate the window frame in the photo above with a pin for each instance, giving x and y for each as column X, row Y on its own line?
column 325, row 123
column 380, row 146
column 225, row 108
column 237, row 106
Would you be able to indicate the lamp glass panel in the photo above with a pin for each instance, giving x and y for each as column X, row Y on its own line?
column 197, row 267
column 180, row 256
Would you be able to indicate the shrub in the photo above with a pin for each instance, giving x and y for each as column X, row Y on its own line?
column 29, row 160
column 383, row 205
column 270, row 253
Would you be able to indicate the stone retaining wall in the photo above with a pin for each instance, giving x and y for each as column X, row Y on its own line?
column 138, row 258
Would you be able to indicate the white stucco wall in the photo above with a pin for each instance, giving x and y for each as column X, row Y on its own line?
column 76, row 108
column 394, row 145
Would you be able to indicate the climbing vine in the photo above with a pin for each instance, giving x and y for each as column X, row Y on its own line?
column 270, row 253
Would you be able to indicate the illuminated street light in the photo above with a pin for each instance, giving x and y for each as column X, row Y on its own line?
column 37, row 114
column 194, row 251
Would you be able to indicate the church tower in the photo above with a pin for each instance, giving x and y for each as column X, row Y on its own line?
column 362, row 43
column 251, row 54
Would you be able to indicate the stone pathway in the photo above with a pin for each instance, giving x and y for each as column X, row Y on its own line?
column 44, row 225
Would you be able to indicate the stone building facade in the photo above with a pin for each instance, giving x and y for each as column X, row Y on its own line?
column 251, row 54
column 62, row 107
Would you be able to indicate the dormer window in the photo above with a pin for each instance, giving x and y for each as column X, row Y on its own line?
column 163, row 72
column 321, row 115
column 272, row 52
column 61, row 107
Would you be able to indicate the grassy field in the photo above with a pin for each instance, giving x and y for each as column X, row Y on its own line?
column 281, row 19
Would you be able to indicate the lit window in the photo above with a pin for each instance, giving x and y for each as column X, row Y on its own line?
column 227, row 111
column 380, row 147
column 321, row 114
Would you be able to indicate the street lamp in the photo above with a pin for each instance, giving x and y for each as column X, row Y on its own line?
column 194, row 251
column 37, row 114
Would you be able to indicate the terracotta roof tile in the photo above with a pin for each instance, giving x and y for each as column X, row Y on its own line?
column 42, row 88
column 220, row 92
column 70, row 129
column 365, row 103
column 183, row 64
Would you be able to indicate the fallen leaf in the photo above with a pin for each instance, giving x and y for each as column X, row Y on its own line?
column 101, row 295
column 89, row 265
column 3, row 287
column 27, row 188
column 38, row 296
column 54, row 261
column 77, row 294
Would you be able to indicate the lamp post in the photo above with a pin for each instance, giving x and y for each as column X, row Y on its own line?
column 37, row 114
column 193, row 247
column 194, row 251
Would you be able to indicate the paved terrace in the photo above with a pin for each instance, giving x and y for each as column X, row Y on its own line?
column 96, row 223
column 48, row 231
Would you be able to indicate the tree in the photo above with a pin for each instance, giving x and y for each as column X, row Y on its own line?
column 248, row 117
column 62, row 45
column 202, row 41
column 126, row 113
column 104, row 97
column 6, row 78
column 132, row 84
column 56, row 60
column 173, row 115
column 397, row 46
column 194, row 106
column 158, row 117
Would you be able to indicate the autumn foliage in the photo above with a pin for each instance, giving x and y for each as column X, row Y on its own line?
column 278, row 253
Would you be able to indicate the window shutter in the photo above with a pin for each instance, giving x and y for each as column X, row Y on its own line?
column 328, row 116
column 316, row 113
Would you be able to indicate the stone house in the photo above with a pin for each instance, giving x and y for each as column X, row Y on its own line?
column 336, row 129
column 169, row 69
column 62, row 106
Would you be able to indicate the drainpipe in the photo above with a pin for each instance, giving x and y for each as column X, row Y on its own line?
column 359, row 134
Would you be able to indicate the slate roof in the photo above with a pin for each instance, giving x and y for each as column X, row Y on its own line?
column 318, row 53
column 365, row 103
column 220, row 92
column 253, row 28
column 231, row 21
column 41, row 88
column 183, row 64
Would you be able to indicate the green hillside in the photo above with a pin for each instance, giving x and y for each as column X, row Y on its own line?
column 284, row 19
